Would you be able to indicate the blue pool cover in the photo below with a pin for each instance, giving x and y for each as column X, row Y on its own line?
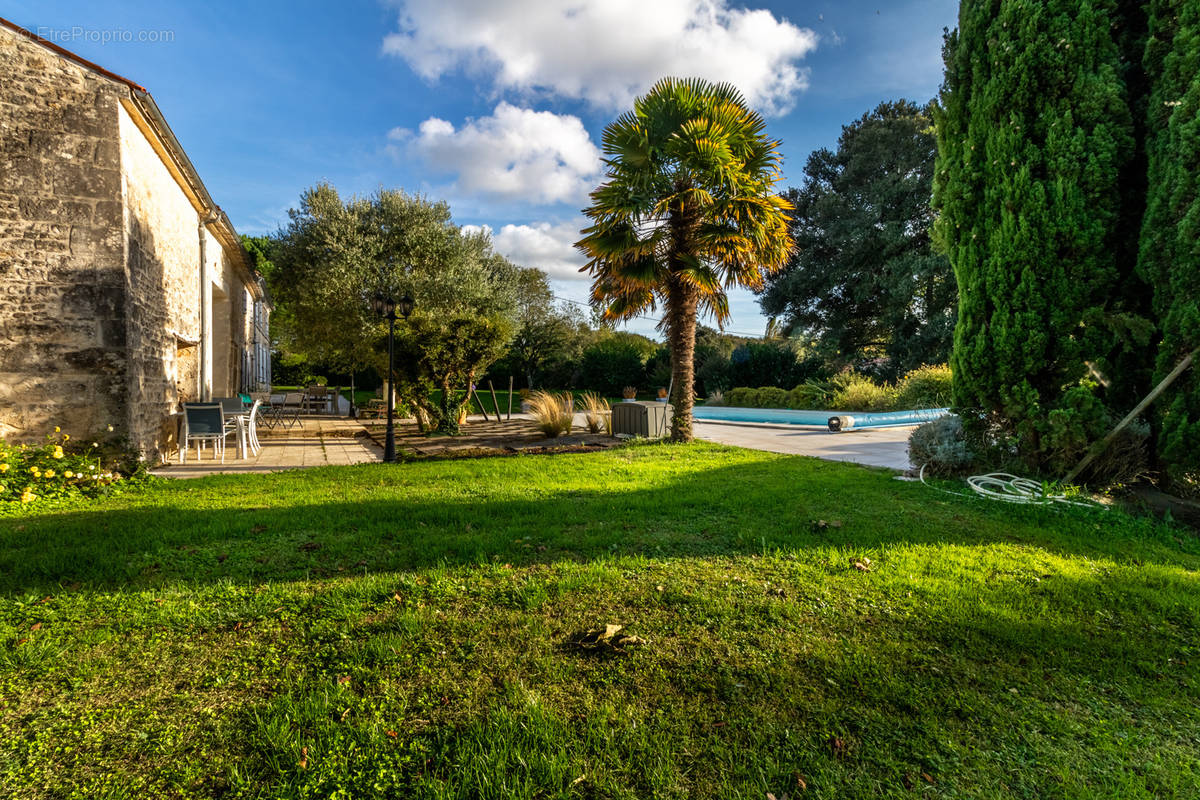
column 845, row 420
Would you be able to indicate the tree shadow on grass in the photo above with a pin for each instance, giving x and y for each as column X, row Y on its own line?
column 379, row 518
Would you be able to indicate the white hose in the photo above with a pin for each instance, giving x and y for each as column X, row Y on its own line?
column 1013, row 489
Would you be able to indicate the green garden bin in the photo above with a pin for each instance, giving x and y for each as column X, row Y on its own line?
column 646, row 419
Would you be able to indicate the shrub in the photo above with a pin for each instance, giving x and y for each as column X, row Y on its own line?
column 715, row 398
column 812, row 394
column 857, row 393
column 597, row 415
column 553, row 413
column 772, row 397
column 743, row 397
column 940, row 447
column 615, row 360
column 63, row 468
column 767, row 363
column 925, row 387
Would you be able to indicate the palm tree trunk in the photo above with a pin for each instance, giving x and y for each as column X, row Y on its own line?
column 681, row 333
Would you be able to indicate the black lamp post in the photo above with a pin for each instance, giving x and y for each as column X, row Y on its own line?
column 387, row 307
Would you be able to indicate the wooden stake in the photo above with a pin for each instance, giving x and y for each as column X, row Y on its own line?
column 1102, row 445
column 482, row 410
column 510, row 377
column 495, row 402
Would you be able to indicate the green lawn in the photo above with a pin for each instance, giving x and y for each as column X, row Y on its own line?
column 415, row 631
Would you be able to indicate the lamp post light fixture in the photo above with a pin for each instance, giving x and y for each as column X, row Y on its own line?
column 387, row 307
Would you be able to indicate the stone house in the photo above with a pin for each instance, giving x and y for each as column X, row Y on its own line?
column 124, row 289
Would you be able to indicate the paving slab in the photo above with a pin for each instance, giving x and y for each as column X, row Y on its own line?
column 874, row 447
column 315, row 442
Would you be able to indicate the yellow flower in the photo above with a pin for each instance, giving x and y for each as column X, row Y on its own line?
column 68, row 474
column 27, row 496
column 110, row 428
column 58, row 452
column 49, row 473
column 66, row 437
column 3, row 467
column 57, row 429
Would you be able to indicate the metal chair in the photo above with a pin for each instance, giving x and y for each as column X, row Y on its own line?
column 249, row 428
column 289, row 411
column 202, row 422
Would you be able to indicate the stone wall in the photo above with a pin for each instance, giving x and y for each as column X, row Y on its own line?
column 62, row 275
column 100, row 262
column 162, row 231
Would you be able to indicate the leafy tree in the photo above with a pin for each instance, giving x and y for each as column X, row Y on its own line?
column 614, row 360
column 769, row 363
column 1169, row 257
column 864, row 274
column 1034, row 135
column 446, row 353
column 335, row 254
column 546, row 337
column 688, row 209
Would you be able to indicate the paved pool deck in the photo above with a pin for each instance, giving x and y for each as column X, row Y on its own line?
column 327, row 440
column 874, row 447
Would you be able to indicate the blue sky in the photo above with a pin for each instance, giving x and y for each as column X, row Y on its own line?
column 494, row 105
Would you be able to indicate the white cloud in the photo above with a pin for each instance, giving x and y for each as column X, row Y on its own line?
column 549, row 247
column 606, row 52
column 515, row 154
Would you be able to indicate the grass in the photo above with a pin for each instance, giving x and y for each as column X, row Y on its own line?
column 413, row 631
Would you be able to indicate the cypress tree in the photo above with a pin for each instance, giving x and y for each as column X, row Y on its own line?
column 1034, row 135
column 1169, row 258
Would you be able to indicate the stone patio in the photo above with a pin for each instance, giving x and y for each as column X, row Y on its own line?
column 315, row 442
column 328, row 440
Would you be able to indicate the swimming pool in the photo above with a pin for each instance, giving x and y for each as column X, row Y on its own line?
column 845, row 420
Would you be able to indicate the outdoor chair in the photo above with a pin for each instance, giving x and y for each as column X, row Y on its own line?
column 288, row 412
column 316, row 399
column 373, row 409
column 202, row 422
column 249, row 428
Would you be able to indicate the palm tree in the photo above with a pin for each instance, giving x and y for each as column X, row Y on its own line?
column 688, row 210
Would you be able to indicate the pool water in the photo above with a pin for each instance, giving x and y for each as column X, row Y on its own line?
column 787, row 416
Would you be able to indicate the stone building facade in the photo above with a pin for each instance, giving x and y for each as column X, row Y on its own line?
column 124, row 289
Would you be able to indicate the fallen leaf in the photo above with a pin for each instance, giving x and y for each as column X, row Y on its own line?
column 837, row 746
column 258, row 529
column 310, row 546
column 579, row 780
column 392, row 734
column 45, row 599
column 660, row 588
column 801, row 784
column 344, row 715
column 611, row 630
column 928, row 778
column 303, row 758
column 37, row 626
column 221, row 558
column 22, row 640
